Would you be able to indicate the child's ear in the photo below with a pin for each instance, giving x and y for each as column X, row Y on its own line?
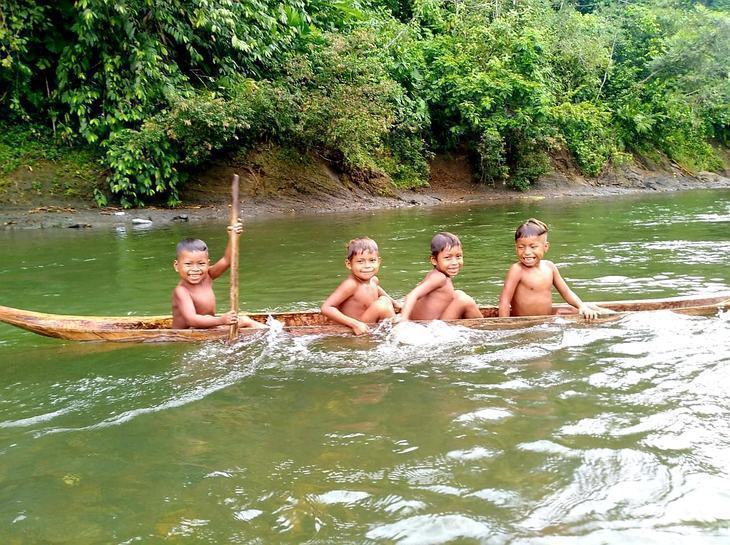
column 434, row 261
column 348, row 264
column 547, row 246
column 174, row 265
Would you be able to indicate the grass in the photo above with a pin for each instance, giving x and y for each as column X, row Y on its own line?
column 33, row 162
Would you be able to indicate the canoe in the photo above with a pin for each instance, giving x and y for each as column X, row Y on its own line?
column 158, row 328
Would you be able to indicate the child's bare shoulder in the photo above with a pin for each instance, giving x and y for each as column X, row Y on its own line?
column 435, row 275
column 180, row 292
column 348, row 285
column 515, row 269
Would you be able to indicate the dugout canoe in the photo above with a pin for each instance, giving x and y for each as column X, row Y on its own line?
column 158, row 328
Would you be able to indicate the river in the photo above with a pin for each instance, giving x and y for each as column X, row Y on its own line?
column 557, row 434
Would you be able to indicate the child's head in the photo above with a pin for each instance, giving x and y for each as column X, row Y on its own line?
column 531, row 242
column 191, row 245
column 363, row 258
column 361, row 246
column 192, row 260
column 443, row 241
column 446, row 253
column 531, row 228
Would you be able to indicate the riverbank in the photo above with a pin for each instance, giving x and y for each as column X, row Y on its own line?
column 271, row 187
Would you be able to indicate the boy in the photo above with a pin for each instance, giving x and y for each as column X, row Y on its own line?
column 193, row 300
column 359, row 299
column 528, row 286
column 435, row 298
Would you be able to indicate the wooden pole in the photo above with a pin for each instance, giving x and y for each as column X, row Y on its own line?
column 233, row 332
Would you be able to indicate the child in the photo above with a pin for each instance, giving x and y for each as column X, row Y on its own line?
column 528, row 286
column 193, row 300
column 359, row 299
column 435, row 297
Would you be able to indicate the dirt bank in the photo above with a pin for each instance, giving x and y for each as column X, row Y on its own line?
column 274, row 183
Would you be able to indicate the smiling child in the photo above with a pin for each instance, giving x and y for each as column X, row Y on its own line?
column 359, row 300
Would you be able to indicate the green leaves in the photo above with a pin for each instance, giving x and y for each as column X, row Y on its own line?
column 488, row 88
column 329, row 99
column 162, row 85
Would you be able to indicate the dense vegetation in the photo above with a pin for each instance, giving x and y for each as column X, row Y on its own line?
column 158, row 87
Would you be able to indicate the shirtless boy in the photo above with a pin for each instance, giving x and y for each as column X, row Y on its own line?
column 193, row 300
column 528, row 286
column 359, row 300
column 435, row 298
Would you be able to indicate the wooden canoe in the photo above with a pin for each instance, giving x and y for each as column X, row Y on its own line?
column 157, row 328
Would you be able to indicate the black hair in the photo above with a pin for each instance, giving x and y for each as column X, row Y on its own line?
column 191, row 245
column 360, row 246
column 442, row 241
column 531, row 228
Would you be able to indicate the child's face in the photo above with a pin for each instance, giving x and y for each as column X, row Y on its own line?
column 449, row 260
column 530, row 250
column 192, row 266
column 364, row 265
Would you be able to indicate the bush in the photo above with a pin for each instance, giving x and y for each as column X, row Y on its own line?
column 151, row 162
column 351, row 110
column 488, row 89
column 330, row 99
column 586, row 130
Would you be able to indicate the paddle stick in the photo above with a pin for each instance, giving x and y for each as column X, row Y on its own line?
column 233, row 332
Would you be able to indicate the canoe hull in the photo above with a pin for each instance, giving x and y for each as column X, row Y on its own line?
column 142, row 329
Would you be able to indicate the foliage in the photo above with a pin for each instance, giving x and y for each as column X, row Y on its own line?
column 670, row 88
column 488, row 84
column 32, row 148
column 371, row 85
column 351, row 110
column 151, row 161
column 100, row 65
column 328, row 99
column 587, row 132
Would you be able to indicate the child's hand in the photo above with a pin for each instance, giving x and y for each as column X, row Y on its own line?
column 236, row 228
column 360, row 328
column 246, row 321
column 587, row 311
column 230, row 317
column 398, row 305
column 592, row 311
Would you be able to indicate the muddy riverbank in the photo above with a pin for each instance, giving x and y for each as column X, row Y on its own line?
column 268, row 190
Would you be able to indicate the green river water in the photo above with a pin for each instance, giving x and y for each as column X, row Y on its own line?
column 557, row 434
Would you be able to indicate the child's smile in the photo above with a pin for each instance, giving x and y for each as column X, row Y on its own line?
column 530, row 250
column 365, row 265
column 192, row 266
column 449, row 261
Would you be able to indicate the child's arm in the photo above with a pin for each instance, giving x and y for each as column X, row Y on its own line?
column 222, row 265
column 330, row 307
column 183, row 303
column 430, row 283
column 587, row 310
column 511, row 281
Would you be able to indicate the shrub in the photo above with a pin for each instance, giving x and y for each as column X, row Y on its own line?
column 586, row 130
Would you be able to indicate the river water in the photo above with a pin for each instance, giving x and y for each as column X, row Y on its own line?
column 557, row 434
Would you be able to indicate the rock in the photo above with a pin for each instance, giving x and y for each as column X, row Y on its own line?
column 141, row 221
column 712, row 178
